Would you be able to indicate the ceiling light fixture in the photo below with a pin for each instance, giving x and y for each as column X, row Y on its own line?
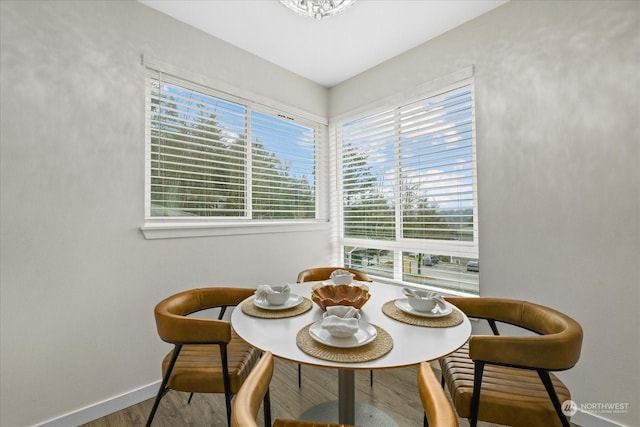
column 317, row 8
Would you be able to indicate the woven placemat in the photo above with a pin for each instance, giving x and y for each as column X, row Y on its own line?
column 455, row 318
column 250, row 309
column 381, row 345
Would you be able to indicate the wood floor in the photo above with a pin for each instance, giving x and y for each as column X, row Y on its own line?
column 394, row 391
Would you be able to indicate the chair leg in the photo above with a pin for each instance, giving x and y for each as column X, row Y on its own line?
column 371, row 378
column 163, row 386
column 548, row 385
column 226, row 380
column 477, row 386
column 190, row 397
column 299, row 375
column 267, row 409
column 425, row 423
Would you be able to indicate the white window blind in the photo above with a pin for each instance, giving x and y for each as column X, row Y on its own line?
column 283, row 165
column 211, row 155
column 408, row 190
column 368, row 176
column 437, row 176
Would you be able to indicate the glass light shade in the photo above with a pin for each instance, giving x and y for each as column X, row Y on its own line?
column 317, row 8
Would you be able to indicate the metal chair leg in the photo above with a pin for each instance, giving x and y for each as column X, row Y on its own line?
column 548, row 385
column 226, row 380
column 299, row 375
column 267, row 409
column 477, row 386
column 163, row 386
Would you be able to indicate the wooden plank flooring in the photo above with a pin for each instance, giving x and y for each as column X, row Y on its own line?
column 394, row 391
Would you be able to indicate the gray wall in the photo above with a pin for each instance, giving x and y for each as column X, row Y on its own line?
column 559, row 188
column 79, row 281
column 558, row 96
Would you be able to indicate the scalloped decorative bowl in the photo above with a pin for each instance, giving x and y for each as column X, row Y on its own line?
column 330, row 295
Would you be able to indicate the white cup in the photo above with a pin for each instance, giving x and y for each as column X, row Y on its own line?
column 277, row 297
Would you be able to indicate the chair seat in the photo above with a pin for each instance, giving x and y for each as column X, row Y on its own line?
column 528, row 401
column 198, row 361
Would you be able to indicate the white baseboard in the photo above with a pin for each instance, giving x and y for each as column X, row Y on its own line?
column 106, row 407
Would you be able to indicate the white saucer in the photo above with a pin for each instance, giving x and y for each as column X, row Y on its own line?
column 403, row 304
column 293, row 301
column 365, row 335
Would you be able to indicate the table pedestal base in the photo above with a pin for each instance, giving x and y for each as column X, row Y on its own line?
column 365, row 415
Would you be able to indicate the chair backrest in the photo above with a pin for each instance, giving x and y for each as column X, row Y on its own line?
column 557, row 347
column 324, row 273
column 252, row 394
column 247, row 402
column 174, row 327
column 437, row 407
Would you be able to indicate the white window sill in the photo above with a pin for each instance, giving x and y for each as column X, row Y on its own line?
column 170, row 229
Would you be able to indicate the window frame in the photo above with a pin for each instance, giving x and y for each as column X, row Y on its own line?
column 400, row 244
column 162, row 227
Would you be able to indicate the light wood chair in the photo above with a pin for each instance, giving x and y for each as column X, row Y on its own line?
column 507, row 379
column 438, row 411
column 254, row 392
column 324, row 273
column 208, row 356
column 317, row 274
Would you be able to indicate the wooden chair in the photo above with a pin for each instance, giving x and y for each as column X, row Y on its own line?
column 438, row 411
column 507, row 379
column 255, row 391
column 208, row 356
column 317, row 274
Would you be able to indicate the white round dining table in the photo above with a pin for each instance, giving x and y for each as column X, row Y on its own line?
column 411, row 344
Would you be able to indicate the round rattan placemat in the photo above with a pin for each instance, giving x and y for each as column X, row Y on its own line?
column 455, row 318
column 250, row 309
column 374, row 350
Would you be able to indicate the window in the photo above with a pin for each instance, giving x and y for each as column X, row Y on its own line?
column 213, row 157
column 408, row 197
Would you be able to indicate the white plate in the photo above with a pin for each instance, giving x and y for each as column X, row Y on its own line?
column 403, row 304
column 366, row 333
column 293, row 301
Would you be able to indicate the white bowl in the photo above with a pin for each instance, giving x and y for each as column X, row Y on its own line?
column 422, row 304
column 336, row 329
column 277, row 297
column 342, row 277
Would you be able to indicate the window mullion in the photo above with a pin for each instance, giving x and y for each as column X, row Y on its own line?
column 250, row 171
column 397, row 271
